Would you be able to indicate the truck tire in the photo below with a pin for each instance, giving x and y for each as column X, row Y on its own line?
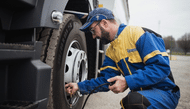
column 65, row 50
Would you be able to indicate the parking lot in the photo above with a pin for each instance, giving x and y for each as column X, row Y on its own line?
column 180, row 66
column 181, row 73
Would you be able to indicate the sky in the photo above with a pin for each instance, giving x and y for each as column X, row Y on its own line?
column 166, row 17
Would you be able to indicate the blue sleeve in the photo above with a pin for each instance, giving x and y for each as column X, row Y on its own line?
column 153, row 54
column 108, row 70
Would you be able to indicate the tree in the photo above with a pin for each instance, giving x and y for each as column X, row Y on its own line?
column 184, row 42
column 169, row 42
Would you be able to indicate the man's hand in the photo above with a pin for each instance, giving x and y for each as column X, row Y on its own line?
column 120, row 84
column 71, row 88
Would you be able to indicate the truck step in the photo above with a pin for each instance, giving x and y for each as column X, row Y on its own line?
column 16, row 46
column 18, row 105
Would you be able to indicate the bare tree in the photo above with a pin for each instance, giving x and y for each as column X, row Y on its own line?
column 169, row 42
column 184, row 42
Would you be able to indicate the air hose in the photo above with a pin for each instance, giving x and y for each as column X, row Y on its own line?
column 111, row 83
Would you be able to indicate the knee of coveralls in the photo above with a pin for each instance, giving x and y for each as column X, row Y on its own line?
column 135, row 100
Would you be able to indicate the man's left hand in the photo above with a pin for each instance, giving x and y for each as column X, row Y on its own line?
column 120, row 84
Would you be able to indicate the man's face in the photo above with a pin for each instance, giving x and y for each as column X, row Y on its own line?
column 105, row 36
column 97, row 30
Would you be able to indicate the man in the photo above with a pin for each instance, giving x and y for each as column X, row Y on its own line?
column 139, row 55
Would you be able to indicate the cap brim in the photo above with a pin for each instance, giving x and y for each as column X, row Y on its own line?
column 85, row 26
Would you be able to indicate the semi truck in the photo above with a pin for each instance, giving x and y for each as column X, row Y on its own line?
column 42, row 49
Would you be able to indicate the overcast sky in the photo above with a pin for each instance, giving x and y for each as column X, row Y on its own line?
column 167, row 17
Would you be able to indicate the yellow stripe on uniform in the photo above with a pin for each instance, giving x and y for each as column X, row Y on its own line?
column 120, row 69
column 103, row 68
column 127, row 67
column 122, row 104
column 154, row 53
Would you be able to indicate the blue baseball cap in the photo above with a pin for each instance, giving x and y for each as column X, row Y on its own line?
column 97, row 15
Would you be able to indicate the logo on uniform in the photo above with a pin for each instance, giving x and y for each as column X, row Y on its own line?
column 97, row 17
column 131, row 50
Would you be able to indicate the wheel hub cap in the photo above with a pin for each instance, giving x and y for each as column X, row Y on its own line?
column 76, row 68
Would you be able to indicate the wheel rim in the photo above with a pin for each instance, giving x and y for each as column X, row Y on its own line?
column 76, row 69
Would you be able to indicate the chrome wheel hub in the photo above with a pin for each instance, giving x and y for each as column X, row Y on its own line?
column 76, row 68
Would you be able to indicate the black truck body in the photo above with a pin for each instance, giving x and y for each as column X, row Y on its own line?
column 25, row 78
column 42, row 49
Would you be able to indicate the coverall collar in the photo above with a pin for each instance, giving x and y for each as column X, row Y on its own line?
column 120, row 29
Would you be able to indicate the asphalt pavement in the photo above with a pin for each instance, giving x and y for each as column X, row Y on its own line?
column 180, row 66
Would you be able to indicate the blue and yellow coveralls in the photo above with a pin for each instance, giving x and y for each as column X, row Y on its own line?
column 140, row 56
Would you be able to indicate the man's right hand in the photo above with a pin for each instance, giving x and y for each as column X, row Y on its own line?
column 71, row 88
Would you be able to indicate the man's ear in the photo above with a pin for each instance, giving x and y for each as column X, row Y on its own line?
column 104, row 23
